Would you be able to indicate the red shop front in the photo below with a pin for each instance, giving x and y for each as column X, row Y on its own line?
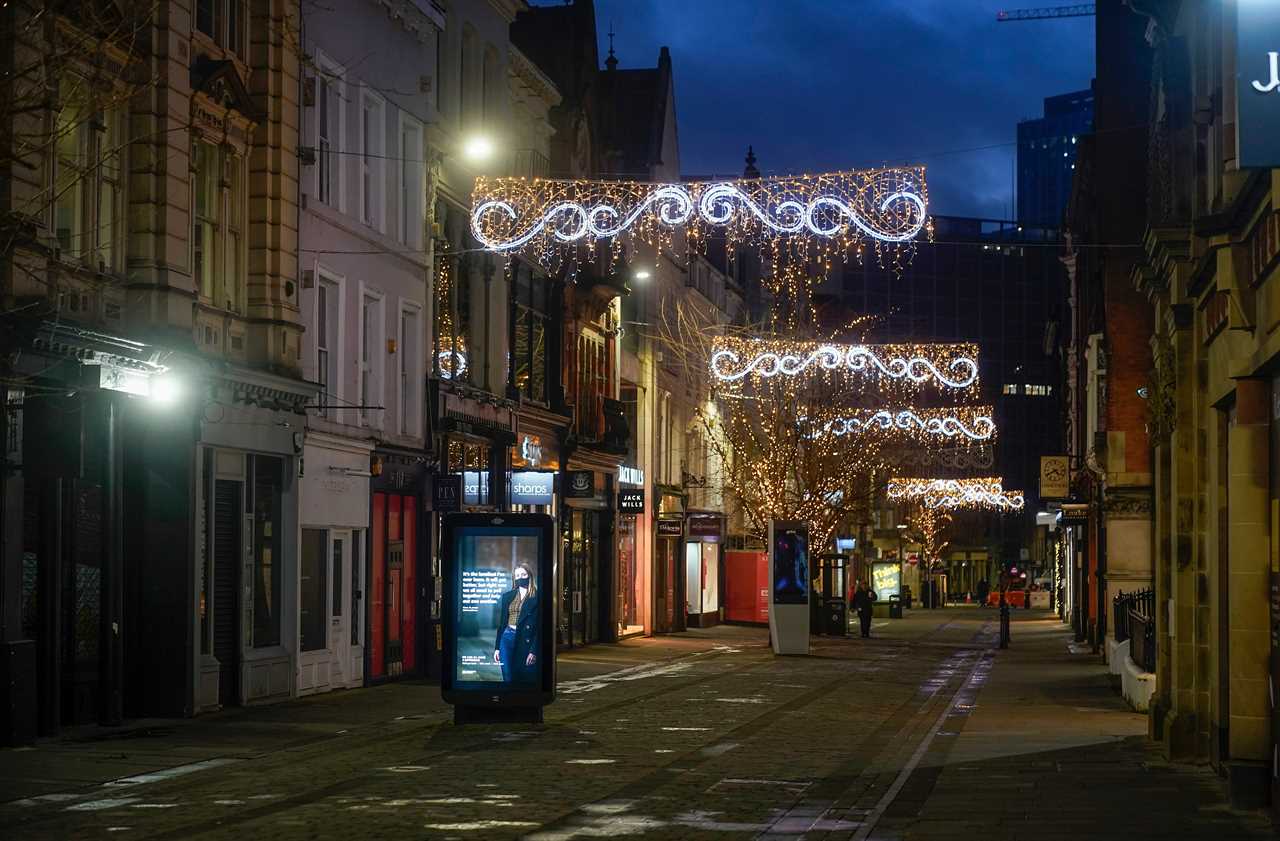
column 396, row 610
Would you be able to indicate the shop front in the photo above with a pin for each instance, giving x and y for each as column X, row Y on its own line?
column 400, row 595
column 703, row 584
column 332, row 546
column 583, row 576
column 535, row 461
column 633, row 575
column 668, row 563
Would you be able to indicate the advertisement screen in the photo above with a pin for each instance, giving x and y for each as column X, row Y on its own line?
column 498, row 608
column 886, row 580
column 791, row 567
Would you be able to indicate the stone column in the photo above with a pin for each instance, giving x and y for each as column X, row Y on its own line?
column 1248, row 722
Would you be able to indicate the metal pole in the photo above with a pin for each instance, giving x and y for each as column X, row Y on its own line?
column 1004, row 621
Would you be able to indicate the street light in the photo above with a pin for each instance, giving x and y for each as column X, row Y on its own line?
column 642, row 274
column 478, row 148
column 166, row 388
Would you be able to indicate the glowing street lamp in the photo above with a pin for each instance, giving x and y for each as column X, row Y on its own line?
column 478, row 148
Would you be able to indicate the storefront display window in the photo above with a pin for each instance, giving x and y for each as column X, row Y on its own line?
column 268, row 528
column 472, row 461
column 630, row 620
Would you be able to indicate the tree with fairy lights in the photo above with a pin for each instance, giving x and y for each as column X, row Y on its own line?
column 803, row 421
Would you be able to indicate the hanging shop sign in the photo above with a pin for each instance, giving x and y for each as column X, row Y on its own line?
column 532, row 487
column 446, row 493
column 1075, row 512
column 1055, row 475
column 631, row 500
column 1258, row 84
column 530, row 453
column 580, row 484
column 670, row 528
column 630, row 475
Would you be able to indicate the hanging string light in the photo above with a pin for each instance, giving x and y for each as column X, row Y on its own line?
column 972, row 423
column 986, row 492
column 807, row 216
column 948, row 366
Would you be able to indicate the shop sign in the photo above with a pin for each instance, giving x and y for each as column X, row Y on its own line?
column 530, row 453
column 704, row 526
column 670, row 528
column 581, row 484
column 1258, row 84
column 531, row 487
column 475, row 487
column 1075, row 512
column 1055, row 475
column 631, row 500
column 630, row 475
column 446, row 493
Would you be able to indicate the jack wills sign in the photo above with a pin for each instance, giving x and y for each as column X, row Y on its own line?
column 1258, row 83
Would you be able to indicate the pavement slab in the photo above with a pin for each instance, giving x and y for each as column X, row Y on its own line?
column 924, row 731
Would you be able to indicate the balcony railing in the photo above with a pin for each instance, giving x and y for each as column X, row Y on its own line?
column 1135, row 622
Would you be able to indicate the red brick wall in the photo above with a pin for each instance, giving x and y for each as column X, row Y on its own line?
column 1128, row 332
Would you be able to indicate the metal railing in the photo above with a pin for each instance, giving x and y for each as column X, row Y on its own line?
column 1135, row 622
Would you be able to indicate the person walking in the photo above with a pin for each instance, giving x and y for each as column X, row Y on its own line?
column 983, row 589
column 862, row 599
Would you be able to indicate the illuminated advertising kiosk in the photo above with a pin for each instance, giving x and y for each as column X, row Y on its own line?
column 499, row 616
column 789, row 593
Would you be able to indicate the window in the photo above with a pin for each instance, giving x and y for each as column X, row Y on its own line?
column 87, row 180
column 592, row 385
column 458, row 354
column 267, row 508
column 370, row 353
column 372, row 153
column 1038, row 390
column 530, row 332
column 223, row 21
column 410, row 354
column 329, row 99
column 472, row 461
column 1009, row 388
column 328, row 347
column 217, row 222
column 412, row 190
column 438, row 86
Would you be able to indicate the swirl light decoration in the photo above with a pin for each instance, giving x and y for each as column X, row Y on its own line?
column 948, row 366
column 549, row 218
column 986, row 492
column 972, row 423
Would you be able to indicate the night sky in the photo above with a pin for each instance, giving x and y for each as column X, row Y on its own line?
column 816, row 85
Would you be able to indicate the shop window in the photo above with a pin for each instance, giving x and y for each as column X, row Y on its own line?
column 530, row 333
column 87, row 174
column 267, row 508
column 459, row 316
column 471, row 460
column 592, row 385
column 217, row 241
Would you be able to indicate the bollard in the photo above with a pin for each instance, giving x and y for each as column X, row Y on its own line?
column 1004, row 622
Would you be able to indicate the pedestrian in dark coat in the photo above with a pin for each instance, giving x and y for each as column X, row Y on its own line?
column 862, row 599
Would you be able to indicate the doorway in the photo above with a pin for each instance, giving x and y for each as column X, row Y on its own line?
column 228, row 518
column 580, row 583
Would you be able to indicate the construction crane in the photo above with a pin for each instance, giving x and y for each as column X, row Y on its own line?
column 1077, row 11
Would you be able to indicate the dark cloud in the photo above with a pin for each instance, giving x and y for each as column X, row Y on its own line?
column 817, row 85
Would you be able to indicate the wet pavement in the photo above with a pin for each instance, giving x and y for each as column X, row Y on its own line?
column 925, row 731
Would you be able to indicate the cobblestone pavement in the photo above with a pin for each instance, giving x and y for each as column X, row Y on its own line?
column 925, row 731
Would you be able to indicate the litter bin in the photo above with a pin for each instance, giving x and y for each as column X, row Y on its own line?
column 895, row 607
column 837, row 617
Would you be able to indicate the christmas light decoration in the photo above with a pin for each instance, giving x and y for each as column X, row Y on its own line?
column 972, row 423
column 550, row 218
column 951, row 366
column 452, row 360
column 986, row 492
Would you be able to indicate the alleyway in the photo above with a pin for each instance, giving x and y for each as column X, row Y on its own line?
column 925, row 731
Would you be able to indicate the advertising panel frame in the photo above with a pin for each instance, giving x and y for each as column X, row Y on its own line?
column 480, row 701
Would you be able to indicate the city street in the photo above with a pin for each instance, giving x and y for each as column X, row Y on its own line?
column 925, row 731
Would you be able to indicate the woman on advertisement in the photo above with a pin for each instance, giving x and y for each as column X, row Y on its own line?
column 515, row 647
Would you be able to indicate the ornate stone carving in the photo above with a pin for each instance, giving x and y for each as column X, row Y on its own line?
column 1128, row 504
